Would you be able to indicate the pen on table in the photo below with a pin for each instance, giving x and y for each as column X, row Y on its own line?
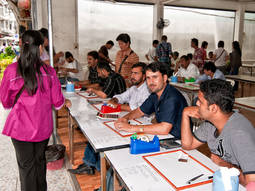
column 201, row 179
column 196, row 177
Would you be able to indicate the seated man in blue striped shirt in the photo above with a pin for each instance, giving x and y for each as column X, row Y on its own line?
column 135, row 95
column 210, row 72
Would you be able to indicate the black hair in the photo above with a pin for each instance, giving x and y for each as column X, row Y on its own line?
column 210, row 66
column 94, row 54
column 221, row 44
column 68, row 55
column 204, row 44
column 190, row 56
column 104, row 65
column 164, row 37
column 124, row 38
column 195, row 41
column 186, row 58
column 236, row 46
column 211, row 52
column 44, row 32
column 157, row 66
column 29, row 62
column 110, row 42
column 140, row 64
column 176, row 53
column 155, row 42
column 219, row 92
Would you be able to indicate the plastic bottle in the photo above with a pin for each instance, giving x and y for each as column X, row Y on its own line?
column 226, row 179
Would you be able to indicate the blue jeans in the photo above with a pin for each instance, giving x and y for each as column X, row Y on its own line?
column 91, row 158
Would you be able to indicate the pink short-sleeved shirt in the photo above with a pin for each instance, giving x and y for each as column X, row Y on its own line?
column 31, row 117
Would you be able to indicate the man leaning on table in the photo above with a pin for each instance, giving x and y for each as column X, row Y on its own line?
column 166, row 101
column 114, row 83
column 136, row 94
column 186, row 70
column 93, row 79
column 229, row 135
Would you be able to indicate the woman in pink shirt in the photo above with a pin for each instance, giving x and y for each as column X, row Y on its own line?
column 30, row 122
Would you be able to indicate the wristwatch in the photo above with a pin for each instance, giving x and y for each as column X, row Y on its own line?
column 141, row 129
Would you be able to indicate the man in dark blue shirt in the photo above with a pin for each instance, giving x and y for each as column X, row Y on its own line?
column 166, row 101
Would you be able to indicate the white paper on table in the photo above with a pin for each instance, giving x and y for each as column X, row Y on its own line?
column 142, row 171
column 110, row 124
column 178, row 173
column 102, row 136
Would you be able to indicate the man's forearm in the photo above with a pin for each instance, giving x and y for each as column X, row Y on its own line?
column 72, row 70
column 125, row 107
column 100, row 93
column 162, row 128
column 134, row 114
column 186, row 134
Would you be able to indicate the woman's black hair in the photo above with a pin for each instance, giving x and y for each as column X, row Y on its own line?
column 236, row 46
column 29, row 62
column 124, row 38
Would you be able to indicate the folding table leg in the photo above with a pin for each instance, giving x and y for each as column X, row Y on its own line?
column 115, row 181
column 103, row 171
column 71, row 135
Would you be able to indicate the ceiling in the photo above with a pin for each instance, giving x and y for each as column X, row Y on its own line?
column 211, row 4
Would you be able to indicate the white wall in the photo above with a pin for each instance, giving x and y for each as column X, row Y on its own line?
column 64, row 23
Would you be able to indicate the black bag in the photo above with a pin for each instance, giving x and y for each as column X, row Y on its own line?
column 55, row 152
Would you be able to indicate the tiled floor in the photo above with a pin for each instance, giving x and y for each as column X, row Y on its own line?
column 58, row 180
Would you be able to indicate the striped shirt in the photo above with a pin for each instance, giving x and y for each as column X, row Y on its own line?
column 114, row 84
column 93, row 75
column 127, row 66
column 198, row 58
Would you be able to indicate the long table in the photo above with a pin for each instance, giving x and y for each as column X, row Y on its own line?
column 99, row 136
column 242, row 79
column 136, row 174
column 246, row 103
column 249, row 66
column 191, row 89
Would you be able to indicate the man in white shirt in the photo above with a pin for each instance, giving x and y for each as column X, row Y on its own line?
column 136, row 94
column 187, row 69
column 151, row 55
column 72, row 68
column 220, row 55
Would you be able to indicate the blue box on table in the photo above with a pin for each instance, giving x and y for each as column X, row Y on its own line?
column 138, row 146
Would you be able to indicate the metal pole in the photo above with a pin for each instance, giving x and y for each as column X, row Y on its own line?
column 34, row 15
column 51, row 61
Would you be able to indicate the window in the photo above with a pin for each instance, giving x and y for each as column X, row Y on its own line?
column 249, row 34
column 203, row 24
column 102, row 21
